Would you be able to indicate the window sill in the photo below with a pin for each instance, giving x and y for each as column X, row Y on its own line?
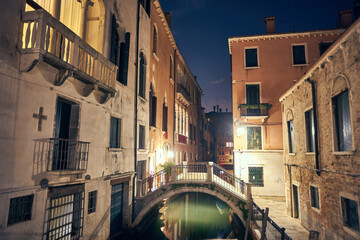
column 343, row 153
column 291, row 154
column 155, row 57
column 115, row 149
column 352, row 232
column 153, row 128
column 310, row 154
column 142, row 99
column 249, row 68
column 300, row 65
column 141, row 150
column 317, row 210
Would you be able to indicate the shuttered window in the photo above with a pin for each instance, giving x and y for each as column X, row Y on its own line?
column 142, row 76
column 165, row 117
column 141, row 137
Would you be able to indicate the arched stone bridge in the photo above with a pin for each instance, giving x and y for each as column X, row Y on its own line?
column 206, row 178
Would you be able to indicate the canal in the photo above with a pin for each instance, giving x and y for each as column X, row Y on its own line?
column 189, row 216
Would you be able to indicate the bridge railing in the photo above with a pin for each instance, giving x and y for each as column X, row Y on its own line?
column 199, row 172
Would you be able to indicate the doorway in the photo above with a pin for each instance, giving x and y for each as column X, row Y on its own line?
column 116, row 212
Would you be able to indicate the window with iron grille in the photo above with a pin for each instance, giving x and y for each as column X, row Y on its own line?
column 92, row 202
column 66, row 217
column 314, row 192
column 20, row 209
column 350, row 213
column 256, row 176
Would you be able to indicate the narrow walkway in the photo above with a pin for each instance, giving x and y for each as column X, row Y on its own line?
column 277, row 211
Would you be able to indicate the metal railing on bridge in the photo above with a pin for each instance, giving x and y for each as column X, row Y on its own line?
column 193, row 173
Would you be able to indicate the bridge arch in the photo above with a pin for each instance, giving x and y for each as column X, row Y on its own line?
column 144, row 205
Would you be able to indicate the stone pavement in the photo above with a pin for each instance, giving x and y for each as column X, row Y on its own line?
column 277, row 211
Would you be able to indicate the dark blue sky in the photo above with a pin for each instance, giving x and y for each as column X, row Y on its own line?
column 201, row 29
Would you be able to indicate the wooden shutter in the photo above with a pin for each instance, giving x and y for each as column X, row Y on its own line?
column 74, row 122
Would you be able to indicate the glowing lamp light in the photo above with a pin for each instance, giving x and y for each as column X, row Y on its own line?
column 240, row 131
column 170, row 154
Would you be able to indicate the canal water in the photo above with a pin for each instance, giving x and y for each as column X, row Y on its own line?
column 190, row 216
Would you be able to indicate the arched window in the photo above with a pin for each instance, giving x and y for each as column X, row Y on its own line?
column 155, row 40
column 142, row 76
column 165, row 117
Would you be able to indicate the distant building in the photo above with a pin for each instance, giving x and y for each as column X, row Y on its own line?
column 205, row 138
column 263, row 67
column 73, row 122
column 221, row 129
column 320, row 116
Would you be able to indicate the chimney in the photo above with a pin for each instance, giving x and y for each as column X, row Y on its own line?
column 168, row 18
column 217, row 108
column 270, row 24
column 220, row 110
column 345, row 18
column 356, row 9
column 214, row 108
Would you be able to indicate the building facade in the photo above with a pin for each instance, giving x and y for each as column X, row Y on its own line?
column 70, row 92
column 263, row 67
column 321, row 140
column 221, row 129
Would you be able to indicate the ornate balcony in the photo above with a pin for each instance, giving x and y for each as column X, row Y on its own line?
column 55, row 154
column 46, row 39
column 254, row 110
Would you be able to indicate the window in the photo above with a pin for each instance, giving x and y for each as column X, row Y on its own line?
column 141, row 137
column 191, row 135
column 66, row 216
column 229, row 144
column 290, row 126
column 253, row 98
column 92, row 202
column 251, row 57
column 314, row 197
column 194, row 133
column 350, row 213
column 323, row 46
column 341, row 111
column 254, row 139
column 298, row 52
column 115, row 132
column 141, row 169
column 165, row 117
column 155, row 41
column 142, row 76
column 124, row 60
column 114, row 45
column 171, row 68
column 310, row 130
column 256, row 176
column 20, row 209
column 152, row 106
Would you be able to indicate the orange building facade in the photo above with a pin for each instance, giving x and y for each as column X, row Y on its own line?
column 174, row 99
column 263, row 67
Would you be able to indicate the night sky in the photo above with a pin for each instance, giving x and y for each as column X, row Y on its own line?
column 202, row 27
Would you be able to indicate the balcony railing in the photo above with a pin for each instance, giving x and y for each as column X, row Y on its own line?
column 63, row 154
column 44, row 38
column 182, row 139
column 254, row 110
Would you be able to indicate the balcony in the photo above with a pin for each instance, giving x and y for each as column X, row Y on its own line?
column 45, row 39
column 254, row 110
column 55, row 154
column 182, row 139
column 182, row 90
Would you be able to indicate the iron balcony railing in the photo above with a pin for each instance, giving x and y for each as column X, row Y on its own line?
column 63, row 154
column 45, row 37
column 254, row 110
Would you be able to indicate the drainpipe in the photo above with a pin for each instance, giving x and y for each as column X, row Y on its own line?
column 174, row 120
column 317, row 160
column 135, row 106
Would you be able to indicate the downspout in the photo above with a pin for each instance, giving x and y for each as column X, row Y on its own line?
column 135, row 106
column 317, row 160
column 174, row 120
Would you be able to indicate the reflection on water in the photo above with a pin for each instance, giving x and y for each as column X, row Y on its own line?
column 191, row 216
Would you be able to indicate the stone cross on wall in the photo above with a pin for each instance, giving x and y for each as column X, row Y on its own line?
column 41, row 117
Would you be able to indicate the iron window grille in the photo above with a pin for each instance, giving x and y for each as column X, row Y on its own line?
column 20, row 209
column 66, row 217
column 92, row 202
column 256, row 176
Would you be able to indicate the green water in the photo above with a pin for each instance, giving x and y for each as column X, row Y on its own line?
column 190, row 216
